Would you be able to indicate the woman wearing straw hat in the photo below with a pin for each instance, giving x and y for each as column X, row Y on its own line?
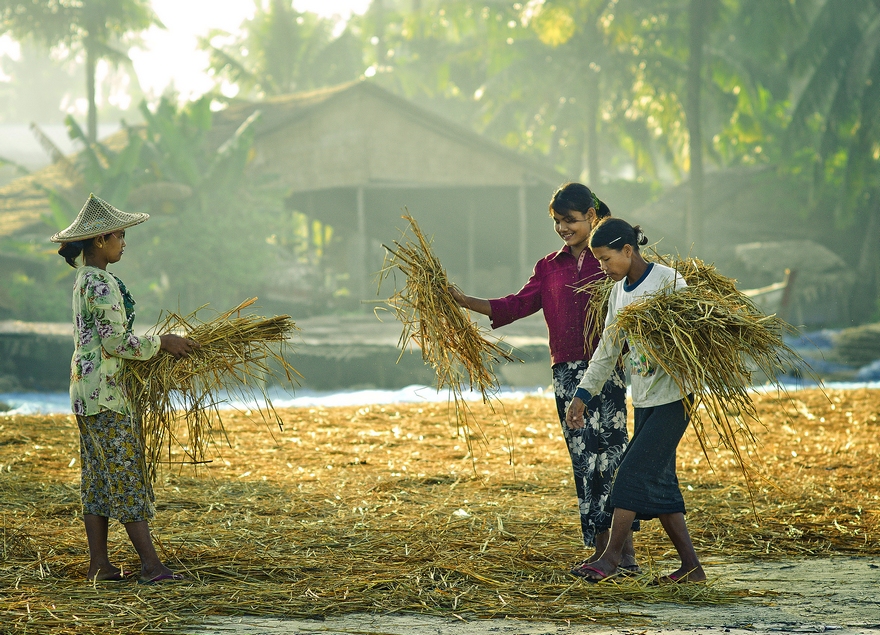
column 114, row 477
column 595, row 449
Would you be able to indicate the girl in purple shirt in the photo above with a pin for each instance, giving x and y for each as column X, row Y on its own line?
column 596, row 448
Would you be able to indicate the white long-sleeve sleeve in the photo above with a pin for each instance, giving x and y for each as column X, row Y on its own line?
column 604, row 359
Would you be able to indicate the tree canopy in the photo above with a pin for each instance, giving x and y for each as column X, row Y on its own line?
column 643, row 92
column 97, row 28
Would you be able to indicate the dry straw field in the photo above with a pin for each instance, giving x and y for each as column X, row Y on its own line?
column 382, row 509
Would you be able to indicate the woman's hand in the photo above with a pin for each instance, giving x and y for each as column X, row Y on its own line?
column 574, row 416
column 479, row 305
column 176, row 345
column 457, row 295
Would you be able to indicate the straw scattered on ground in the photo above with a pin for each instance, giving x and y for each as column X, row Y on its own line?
column 178, row 399
column 379, row 509
column 455, row 346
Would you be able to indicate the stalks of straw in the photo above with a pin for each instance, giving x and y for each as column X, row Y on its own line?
column 710, row 338
column 453, row 345
column 237, row 354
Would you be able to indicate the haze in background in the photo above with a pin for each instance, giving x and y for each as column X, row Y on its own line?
column 171, row 56
column 169, row 59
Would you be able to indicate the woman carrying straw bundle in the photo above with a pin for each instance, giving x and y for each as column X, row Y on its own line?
column 114, row 479
column 645, row 485
column 595, row 448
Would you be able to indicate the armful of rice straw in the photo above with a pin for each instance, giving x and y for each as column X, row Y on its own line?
column 710, row 338
column 236, row 354
column 450, row 342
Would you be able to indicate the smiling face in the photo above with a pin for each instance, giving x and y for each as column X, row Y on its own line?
column 616, row 264
column 574, row 228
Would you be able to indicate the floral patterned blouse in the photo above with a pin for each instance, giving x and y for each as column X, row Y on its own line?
column 103, row 316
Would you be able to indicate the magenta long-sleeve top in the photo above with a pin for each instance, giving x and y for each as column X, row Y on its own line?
column 552, row 289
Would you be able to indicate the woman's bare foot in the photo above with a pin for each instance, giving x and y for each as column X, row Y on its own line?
column 160, row 571
column 600, row 542
column 628, row 562
column 106, row 573
column 628, row 558
column 683, row 576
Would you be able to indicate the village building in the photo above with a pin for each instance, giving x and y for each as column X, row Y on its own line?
column 356, row 158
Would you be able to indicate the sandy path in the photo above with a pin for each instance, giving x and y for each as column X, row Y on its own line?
column 840, row 595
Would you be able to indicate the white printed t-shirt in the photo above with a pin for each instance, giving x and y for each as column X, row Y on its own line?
column 651, row 385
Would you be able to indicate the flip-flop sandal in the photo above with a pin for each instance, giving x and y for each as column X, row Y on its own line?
column 580, row 565
column 584, row 571
column 163, row 578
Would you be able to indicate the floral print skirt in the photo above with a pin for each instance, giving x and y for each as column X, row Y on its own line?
column 597, row 448
column 114, row 478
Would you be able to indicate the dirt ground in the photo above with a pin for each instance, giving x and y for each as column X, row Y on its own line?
column 382, row 520
column 799, row 596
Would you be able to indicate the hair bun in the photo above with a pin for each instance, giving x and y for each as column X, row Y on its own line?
column 71, row 251
column 641, row 239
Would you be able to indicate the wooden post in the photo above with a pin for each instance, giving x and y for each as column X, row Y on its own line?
column 524, row 269
column 471, row 249
column 359, row 275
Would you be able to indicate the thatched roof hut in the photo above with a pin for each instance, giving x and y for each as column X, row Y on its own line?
column 353, row 156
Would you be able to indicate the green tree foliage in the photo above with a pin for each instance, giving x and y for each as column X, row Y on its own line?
column 36, row 85
column 644, row 90
column 514, row 74
column 598, row 86
column 282, row 50
column 210, row 218
column 95, row 28
column 835, row 129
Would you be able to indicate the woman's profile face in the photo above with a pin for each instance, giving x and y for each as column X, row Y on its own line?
column 615, row 263
column 115, row 246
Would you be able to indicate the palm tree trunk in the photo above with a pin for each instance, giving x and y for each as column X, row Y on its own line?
column 417, row 12
column 378, row 9
column 698, row 14
column 91, row 63
column 592, row 132
column 864, row 300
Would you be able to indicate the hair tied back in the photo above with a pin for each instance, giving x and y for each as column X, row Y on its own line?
column 71, row 251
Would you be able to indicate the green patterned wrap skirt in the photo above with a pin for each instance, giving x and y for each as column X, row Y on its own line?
column 114, row 478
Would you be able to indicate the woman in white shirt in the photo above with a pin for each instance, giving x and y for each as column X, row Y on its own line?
column 646, row 485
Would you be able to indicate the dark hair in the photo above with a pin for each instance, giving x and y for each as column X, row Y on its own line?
column 577, row 197
column 614, row 233
column 71, row 251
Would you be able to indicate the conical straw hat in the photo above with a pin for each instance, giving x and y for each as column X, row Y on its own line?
column 96, row 218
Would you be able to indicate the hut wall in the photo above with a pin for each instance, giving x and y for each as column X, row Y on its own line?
column 386, row 145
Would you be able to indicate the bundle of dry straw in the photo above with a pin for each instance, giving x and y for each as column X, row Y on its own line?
column 452, row 344
column 235, row 356
column 711, row 339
